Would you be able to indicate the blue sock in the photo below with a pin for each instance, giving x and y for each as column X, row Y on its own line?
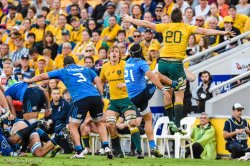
column 78, row 149
column 152, row 144
column 105, row 144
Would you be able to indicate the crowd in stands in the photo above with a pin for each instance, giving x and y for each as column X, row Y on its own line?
column 36, row 36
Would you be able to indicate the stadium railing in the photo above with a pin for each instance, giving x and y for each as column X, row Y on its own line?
column 221, row 45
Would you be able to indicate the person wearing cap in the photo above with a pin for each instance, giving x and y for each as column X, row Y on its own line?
column 74, row 12
column 53, row 16
column 10, row 19
column 152, row 56
column 19, row 49
column 204, row 139
column 158, row 13
column 239, row 20
column 62, row 25
column 109, row 33
column 228, row 26
column 236, row 132
column 24, row 69
column 169, row 6
column 41, row 28
column 175, row 35
column 66, row 38
column 149, row 40
column 76, row 33
column 110, row 12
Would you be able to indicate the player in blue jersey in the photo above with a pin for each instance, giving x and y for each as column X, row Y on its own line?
column 140, row 93
column 86, row 97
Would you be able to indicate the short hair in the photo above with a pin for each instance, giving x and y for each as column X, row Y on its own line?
column 114, row 17
column 187, row 9
column 65, row 91
column 137, row 32
column 205, row 114
column 33, row 8
column 44, row 8
column 121, row 31
column 39, row 16
column 176, row 15
column 68, row 60
column 56, row 88
column 74, row 5
column 96, row 31
column 67, row 44
column 103, row 48
column 89, row 57
column 8, row 63
column 31, row 34
column 33, row 50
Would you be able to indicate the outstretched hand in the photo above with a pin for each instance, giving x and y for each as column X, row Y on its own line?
column 126, row 17
column 26, row 80
column 230, row 33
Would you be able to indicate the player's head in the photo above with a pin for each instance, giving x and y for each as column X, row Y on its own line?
column 68, row 60
column 176, row 15
column 135, row 51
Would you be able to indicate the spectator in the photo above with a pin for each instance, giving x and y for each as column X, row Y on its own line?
column 158, row 13
column 99, row 11
column 31, row 14
column 182, row 5
column 84, row 17
column 20, row 50
column 89, row 62
column 31, row 41
column 189, row 16
column 53, row 16
column 83, row 4
column 66, row 96
column 129, row 29
column 201, row 94
column 4, row 48
column 48, row 42
column 33, row 62
column 39, row 4
column 137, row 12
column 169, row 6
column 243, row 7
column 165, row 18
column 41, row 28
column 41, row 66
column 236, row 132
column 212, row 24
column 192, row 47
column 62, row 25
column 125, row 8
column 121, row 38
column 80, row 46
column 214, row 12
column 26, row 26
column 228, row 26
column 74, row 12
column 123, row 49
column 47, row 56
column 109, row 33
column 204, row 139
column 92, row 25
column 91, row 52
column 110, row 12
column 199, row 21
column 12, row 18
column 153, row 55
column 96, row 40
column 239, row 20
column 76, row 33
column 223, row 8
column 24, row 68
column 66, row 38
column 149, row 6
column 7, row 77
column 23, row 7
column 66, row 51
column 102, row 53
column 148, row 40
column 45, row 11
column 202, row 9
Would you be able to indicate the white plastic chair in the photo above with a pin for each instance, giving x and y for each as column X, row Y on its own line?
column 94, row 141
column 164, row 136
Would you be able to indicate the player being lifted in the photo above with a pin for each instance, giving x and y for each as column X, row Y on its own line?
column 86, row 97
column 140, row 93
column 175, row 36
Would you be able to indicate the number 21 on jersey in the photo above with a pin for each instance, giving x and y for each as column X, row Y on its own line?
column 128, row 75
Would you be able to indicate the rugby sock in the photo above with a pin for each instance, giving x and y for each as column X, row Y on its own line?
column 43, row 135
column 136, row 138
column 85, row 140
column 169, row 112
column 24, row 133
column 78, row 149
column 152, row 144
column 105, row 144
column 178, row 107
column 174, row 84
column 115, row 141
column 56, row 139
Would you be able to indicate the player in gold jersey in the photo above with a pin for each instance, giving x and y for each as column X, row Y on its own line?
column 175, row 38
column 113, row 73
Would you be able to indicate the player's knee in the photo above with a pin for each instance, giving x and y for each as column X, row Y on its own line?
column 111, row 121
column 36, row 149
column 131, row 119
column 148, row 117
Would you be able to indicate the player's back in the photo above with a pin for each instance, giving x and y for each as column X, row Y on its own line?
column 17, row 90
column 78, row 81
column 5, row 147
column 134, row 74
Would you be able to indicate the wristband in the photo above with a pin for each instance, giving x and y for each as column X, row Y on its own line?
column 164, row 89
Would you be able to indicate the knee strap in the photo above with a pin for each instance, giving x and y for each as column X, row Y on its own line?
column 111, row 119
column 130, row 117
column 35, row 146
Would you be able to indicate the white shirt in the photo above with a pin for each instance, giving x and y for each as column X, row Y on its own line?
column 199, row 12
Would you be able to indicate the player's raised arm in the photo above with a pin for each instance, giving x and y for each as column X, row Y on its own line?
column 38, row 78
column 208, row 32
column 141, row 23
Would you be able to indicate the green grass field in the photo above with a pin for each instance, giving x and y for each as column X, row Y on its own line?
column 64, row 160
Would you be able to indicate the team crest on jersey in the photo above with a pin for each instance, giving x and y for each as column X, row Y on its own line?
column 119, row 72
